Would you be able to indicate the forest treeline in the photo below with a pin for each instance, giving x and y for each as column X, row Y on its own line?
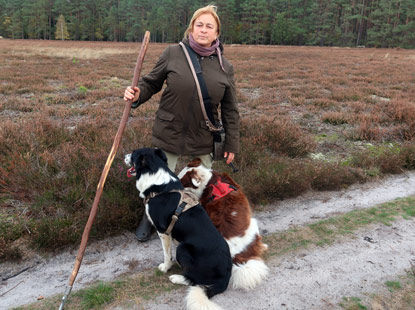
column 378, row 23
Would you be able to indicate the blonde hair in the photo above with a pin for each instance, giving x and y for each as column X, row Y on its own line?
column 209, row 9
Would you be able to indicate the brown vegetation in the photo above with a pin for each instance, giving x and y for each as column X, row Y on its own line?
column 312, row 118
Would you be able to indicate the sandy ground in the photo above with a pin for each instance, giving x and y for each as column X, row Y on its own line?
column 321, row 278
column 315, row 279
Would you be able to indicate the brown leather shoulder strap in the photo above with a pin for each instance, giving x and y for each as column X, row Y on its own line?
column 199, row 91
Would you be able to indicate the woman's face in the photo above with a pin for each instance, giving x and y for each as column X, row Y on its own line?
column 205, row 30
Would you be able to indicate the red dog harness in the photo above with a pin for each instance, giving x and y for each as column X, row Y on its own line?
column 220, row 189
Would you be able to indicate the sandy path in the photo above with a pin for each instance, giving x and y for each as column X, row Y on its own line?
column 320, row 278
column 110, row 258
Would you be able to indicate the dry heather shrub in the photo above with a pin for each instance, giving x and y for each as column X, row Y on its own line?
column 408, row 156
column 278, row 136
column 24, row 163
column 138, row 133
column 368, row 129
column 8, row 233
column 345, row 94
column 403, row 111
column 401, row 132
column 335, row 118
column 56, row 170
column 52, row 232
column 279, row 178
column 333, row 176
column 389, row 123
column 356, row 108
column 391, row 163
column 395, row 159
column 275, row 178
column 118, row 210
column 385, row 158
column 323, row 103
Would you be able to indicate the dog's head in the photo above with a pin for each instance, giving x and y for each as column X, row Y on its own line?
column 195, row 177
column 149, row 166
column 145, row 160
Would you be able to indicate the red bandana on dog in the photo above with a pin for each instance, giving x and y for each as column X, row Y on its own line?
column 221, row 189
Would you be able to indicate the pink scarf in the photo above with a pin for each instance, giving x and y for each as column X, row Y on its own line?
column 206, row 51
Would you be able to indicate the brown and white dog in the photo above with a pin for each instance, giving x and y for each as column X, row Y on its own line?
column 230, row 211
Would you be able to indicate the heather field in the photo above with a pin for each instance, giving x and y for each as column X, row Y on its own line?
column 312, row 118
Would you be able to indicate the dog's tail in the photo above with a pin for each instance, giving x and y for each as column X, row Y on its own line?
column 198, row 300
column 248, row 275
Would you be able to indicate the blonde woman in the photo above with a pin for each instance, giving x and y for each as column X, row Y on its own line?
column 179, row 127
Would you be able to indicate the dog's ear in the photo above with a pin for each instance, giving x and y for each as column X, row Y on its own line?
column 196, row 180
column 161, row 154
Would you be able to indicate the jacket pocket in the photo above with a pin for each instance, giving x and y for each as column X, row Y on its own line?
column 165, row 116
column 165, row 127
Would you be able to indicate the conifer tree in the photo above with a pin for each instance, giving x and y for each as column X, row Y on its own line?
column 61, row 32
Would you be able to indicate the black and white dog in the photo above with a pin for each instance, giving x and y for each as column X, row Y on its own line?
column 202, row 251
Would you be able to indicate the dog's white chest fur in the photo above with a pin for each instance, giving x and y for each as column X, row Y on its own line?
column 147, row 180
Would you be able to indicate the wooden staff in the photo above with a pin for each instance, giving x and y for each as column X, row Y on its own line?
column 105, row 171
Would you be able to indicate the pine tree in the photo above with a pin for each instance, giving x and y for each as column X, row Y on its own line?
column 17, row 25
column 227, row 13
column 255, row 22
column 61, row 32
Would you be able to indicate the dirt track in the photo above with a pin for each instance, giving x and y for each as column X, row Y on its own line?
column 321, row 278
column 315, row 279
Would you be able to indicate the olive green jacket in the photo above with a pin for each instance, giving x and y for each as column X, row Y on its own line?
column 179, row 126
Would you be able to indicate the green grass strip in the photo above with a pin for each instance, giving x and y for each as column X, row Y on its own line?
column 326, row 232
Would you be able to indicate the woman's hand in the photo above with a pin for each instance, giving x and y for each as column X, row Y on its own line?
column 229, row 157
column 131, row 93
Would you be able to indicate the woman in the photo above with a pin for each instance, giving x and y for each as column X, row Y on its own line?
column 180, row 128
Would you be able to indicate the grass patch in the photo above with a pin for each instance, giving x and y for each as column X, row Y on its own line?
column 97, row 296
column 393, row 285
column 352, row 303
column 326, row 232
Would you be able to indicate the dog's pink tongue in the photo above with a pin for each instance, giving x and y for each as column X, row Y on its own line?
column 130, row 172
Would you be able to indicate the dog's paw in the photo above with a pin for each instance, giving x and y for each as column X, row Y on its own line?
column 164, row 267
column 179, row 279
